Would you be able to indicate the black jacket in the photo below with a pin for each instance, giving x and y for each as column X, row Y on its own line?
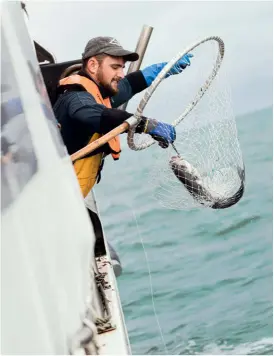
column 80, row 116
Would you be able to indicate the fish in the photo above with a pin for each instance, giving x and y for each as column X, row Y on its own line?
column 193, row 182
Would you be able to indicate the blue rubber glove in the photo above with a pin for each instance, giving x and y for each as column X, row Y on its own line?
column 160, row 131
column 180, row 65
column 151, row 72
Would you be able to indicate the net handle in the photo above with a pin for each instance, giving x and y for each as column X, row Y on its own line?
column 104, row 139
column 161, row 76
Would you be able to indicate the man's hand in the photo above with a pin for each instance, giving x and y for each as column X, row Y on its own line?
column 160, row 131
column 151, row 72
column 180, row 65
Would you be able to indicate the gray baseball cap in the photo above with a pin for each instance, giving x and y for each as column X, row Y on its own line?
column 110, row 46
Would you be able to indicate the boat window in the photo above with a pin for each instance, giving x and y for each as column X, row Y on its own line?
column 28, row 51
column 18, row 159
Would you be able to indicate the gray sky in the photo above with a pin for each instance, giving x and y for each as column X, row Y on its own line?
column 246, row 27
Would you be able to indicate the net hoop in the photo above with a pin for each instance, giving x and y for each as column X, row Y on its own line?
column 221, row 49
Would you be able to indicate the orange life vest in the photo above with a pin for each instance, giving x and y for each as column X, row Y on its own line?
column 87, row 168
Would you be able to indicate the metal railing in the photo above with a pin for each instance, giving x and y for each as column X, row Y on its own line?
column 140, row 49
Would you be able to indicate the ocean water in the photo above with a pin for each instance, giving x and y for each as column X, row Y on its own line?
column 198, row 281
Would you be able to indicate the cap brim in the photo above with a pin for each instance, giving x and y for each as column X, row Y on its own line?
column 127, row 55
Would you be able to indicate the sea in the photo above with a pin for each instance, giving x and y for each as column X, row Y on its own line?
column 195, row 281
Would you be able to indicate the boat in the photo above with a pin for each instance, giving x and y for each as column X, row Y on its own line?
column 59, row 273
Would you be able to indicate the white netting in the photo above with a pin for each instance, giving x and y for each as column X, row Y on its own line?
column 206, row 138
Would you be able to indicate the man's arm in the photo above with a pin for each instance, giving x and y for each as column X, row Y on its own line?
column 136, row 82
column 83, row 108
column 132, row 84
column 98, row 118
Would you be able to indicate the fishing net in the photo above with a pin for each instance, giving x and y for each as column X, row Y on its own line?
column 199, row 100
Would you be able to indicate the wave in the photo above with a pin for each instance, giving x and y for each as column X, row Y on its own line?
column 260, row 347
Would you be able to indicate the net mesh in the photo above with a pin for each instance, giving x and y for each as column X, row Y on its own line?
column 206, row 138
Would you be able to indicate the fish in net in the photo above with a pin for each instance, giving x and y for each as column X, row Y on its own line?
column 204, row 167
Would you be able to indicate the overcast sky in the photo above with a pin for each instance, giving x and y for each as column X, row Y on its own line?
column 246, row 27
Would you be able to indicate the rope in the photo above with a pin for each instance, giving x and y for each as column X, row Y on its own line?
column 85, row 341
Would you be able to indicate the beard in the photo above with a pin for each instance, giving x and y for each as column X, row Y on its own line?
column 111, row 86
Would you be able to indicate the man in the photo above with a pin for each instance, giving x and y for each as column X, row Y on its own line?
column 87, row 104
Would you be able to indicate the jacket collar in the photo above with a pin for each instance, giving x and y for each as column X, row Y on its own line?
column 104, row 92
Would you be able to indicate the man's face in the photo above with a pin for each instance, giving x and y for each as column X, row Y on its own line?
column 110, row 71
